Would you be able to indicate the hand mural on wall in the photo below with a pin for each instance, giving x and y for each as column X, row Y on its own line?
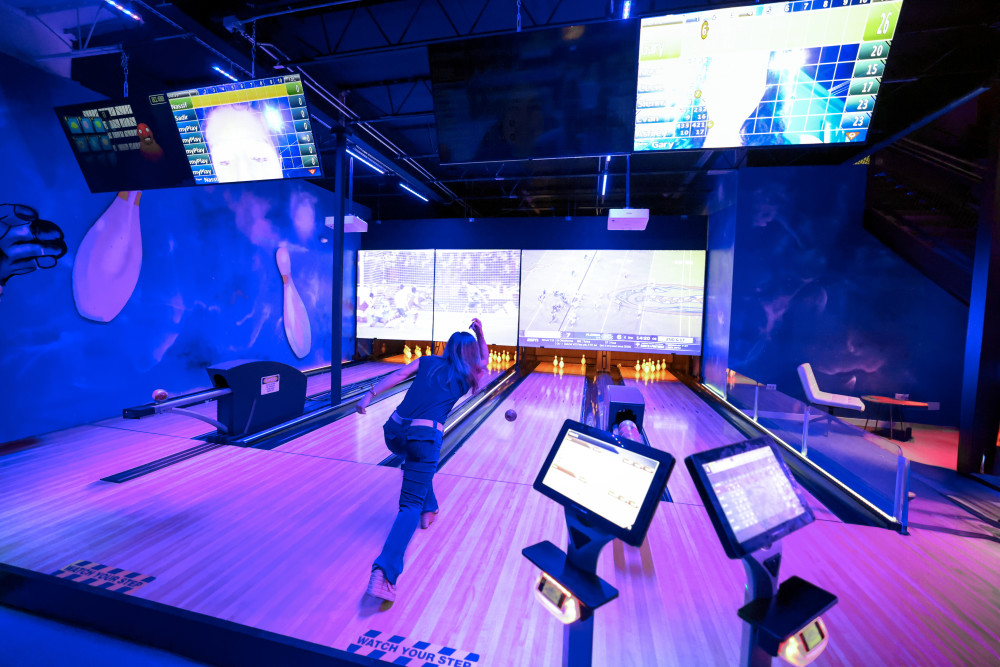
column 27, row 242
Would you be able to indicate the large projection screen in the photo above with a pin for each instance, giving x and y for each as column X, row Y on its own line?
column 395, row 294
column 636, row 300
column 783, row 73
column 477, row 283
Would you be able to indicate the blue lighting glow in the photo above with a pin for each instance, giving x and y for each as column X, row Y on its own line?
column 224, row 73
column 358, row 157
column 126, row 12
column 604, row 184
column 412, row 191
column 273, row 118
column 626, row 9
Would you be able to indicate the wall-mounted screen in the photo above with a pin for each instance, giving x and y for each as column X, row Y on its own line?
column 477, row 283
column 557, row 92
column 641, row 300
column 246, row 131
column 395, row 294
column 128, row 144
column 762, row 75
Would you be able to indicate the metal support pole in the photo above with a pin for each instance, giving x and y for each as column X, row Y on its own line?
column 762, row 568
column 337, row 279
column 980, row 413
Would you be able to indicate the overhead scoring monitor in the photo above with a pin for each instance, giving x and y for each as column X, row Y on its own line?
column 763, row 75
column 247, row 131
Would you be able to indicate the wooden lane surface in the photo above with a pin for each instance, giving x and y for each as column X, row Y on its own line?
column 186, row 427
column 514, row 451
column 284, row 544
column 355, row 437
column 679, row 422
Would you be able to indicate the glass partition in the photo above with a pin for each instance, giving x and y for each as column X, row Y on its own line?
column 871, row 466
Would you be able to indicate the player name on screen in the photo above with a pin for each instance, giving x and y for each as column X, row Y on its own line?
column 246, row 131
column 803, row 72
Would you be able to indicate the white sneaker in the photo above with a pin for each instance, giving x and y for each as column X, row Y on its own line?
column 379, row 587
column 427, row 518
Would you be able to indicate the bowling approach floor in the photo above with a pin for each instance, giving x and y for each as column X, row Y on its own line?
column 282, row 540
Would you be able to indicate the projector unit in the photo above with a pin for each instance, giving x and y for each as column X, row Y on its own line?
column 352, row 223
column 628, row 218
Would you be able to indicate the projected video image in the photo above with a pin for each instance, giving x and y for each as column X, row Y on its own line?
column 477, row 283
column 765, row 75
column 247, row 131
column 395, row 294
column 643, row 300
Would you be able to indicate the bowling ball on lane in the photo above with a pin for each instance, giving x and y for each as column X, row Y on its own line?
column 510, row 415
column 160, row 395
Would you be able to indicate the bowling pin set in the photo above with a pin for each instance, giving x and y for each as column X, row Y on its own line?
column 415, row 352
column 647, row 366
column 498, row 359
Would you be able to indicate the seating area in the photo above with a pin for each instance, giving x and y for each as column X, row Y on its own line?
column 816, row 396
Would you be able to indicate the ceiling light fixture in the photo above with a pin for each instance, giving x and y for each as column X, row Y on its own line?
column 132, row 15
column 358, row 157
column 412, row 191
column 224, row 73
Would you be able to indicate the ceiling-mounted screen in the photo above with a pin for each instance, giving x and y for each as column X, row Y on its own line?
column 246, row 131
column 556, row 92
column 477, row 283
column 640, row 300
column 127, row 144
column 763, row 75
column 395, row 294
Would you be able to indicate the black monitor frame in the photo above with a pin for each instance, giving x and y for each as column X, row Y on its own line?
column 637, row 534
column 733, row 547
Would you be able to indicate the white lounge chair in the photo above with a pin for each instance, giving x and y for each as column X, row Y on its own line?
column 816, row 396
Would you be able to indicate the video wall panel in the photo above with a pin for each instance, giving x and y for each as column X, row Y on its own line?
column 637, row 300
column 395, row 294
column 477, row 283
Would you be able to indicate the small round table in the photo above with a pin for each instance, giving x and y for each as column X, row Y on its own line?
column 892, row 403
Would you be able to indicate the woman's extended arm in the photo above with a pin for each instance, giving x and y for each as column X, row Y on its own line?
column 386, row 383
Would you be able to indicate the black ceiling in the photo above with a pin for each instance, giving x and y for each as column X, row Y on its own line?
column 366, row 67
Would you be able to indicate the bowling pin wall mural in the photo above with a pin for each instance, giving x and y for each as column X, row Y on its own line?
column 27, row 243
column 108, row 261
column 297, row 329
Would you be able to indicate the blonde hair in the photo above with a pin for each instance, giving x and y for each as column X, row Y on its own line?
column 462, row 355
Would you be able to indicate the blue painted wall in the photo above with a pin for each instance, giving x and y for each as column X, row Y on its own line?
column 208, row 289
column 722, row 218
column 809, row 284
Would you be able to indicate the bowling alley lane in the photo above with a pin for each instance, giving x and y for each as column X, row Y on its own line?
column 679, row 422
column 514, row 451
column 186, row 427
column 356, row 437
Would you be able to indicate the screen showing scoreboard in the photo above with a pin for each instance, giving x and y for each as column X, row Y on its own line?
column 126, row 144
column 783, row 73
column 638, row 300
column 246, row 131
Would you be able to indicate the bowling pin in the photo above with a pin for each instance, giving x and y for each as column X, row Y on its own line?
column 297, row 329
column 419, row 353
column 637, row 368
column 562, row 362
column 583, row 360
column 106, row 268
column 428, row 351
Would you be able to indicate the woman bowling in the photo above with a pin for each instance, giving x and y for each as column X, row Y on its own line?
column 414, row 431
